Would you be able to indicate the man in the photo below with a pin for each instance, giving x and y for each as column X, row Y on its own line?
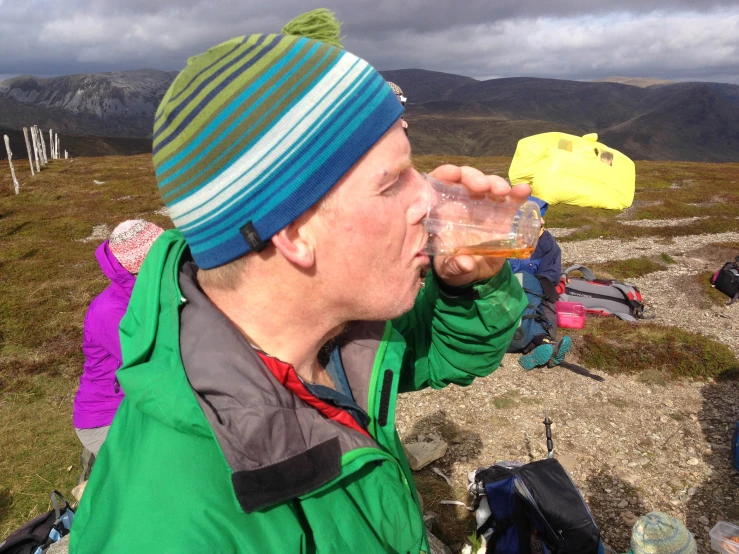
column 269, row 335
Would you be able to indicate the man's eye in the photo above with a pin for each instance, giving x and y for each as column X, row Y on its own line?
column 393, row 189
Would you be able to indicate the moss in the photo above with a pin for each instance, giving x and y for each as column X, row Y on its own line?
column 626, row 269
column 616, row 346
column 505, row 401
column 666, row 258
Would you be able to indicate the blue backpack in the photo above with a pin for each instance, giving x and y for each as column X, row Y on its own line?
column 534, row 321
column 533, row 508
column 735, row 446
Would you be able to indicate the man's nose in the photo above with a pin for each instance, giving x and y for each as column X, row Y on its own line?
column 422, row 198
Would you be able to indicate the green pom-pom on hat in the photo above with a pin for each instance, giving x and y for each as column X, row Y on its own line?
column 320, row 24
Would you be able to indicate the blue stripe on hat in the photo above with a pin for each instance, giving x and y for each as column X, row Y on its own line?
column 205, row 69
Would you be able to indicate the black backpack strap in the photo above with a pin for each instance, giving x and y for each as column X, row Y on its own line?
column 549, row 288
column 736, row 297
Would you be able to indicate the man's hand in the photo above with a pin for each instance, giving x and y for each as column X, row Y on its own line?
column 461, row 270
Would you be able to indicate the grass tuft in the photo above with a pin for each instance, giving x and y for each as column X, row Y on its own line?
column 616, row 347
column 626, row 269
column 652, row 377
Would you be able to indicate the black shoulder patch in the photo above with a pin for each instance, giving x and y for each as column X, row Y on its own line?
column 259, row 488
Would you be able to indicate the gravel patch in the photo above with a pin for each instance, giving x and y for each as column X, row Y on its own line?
column 559, row 232
column 628, row 212
column 662, row 222
column 674, row 297
column 603, row 250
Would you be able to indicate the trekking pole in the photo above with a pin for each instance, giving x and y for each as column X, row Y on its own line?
column 548, row 429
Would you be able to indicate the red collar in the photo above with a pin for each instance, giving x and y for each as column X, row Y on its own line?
column 288, row 377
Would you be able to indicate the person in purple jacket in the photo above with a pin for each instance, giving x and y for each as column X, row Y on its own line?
column 97, row 399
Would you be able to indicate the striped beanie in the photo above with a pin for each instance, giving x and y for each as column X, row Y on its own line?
column 659, row 533
column 258, row 129
column 131, row 240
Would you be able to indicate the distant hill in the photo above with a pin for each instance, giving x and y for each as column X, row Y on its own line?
column 112, row 104
column 421, row 86
column 681, row 121
column 634, row 81
column 447, row 113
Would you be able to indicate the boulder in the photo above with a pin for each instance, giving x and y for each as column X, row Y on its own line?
column 421, row 454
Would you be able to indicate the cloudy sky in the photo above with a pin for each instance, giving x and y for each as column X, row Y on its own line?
column 568, row 39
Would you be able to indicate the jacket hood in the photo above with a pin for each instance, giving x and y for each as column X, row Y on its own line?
column 150, row 342
column 113, row 269
column 543, row 204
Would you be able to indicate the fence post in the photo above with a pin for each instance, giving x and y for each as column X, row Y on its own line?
column 43, row 147
column 39, row 151
column 10, row 161
column 35, row 148
column 28, row 149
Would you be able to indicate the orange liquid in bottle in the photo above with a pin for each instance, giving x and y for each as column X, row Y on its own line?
column 493, row 249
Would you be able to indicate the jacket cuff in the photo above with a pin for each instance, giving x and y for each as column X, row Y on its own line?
column 475, row 290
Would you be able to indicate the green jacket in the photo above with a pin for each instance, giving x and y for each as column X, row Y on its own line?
column 209, row 452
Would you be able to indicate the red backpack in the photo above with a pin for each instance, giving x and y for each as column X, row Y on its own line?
column 605, row 297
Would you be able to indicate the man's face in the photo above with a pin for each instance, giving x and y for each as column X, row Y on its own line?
column 370, row 237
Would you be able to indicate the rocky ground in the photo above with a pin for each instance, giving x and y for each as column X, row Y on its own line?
column 631, row 447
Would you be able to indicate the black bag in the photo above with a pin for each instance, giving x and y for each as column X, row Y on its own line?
column 533, row 508
column 726, row 280
column 36, row 535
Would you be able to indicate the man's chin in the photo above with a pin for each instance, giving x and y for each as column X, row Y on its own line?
column 406, row 304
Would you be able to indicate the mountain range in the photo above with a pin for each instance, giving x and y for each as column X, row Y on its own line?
column 447, row 114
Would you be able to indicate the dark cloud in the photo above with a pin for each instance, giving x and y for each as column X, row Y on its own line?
column 577, row 39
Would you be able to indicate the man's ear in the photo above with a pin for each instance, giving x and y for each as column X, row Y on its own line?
column 295, row 246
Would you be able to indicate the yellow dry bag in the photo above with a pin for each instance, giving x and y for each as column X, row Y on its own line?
column 567, row 169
